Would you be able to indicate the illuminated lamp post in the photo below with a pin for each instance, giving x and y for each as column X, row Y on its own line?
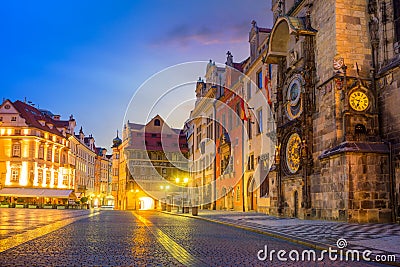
column 135, row 198
column 184, row 182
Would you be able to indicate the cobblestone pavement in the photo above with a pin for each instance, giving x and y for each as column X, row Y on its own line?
column 381, row 239
column 145, row 238
column 16, row 221
column 20, row 225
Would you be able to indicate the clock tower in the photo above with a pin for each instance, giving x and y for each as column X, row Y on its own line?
column 330, row 162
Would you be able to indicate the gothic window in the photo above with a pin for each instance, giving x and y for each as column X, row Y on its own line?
column 16, row 150
column 156, row 122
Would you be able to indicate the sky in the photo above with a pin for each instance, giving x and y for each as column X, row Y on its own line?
column 88, row 58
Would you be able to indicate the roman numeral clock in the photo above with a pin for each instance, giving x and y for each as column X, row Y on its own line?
column 359, row 100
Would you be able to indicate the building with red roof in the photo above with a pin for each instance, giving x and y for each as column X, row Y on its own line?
column 147, row 163
column 42, row 161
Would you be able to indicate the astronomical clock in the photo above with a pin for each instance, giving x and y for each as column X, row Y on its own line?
column 294, row 105
column 293, row 153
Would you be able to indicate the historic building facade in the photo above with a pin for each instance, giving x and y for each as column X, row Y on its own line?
column 332, row 158
column 34, row 155
column 149, row 160
column 327, row 73
column 201, row 132
column 102, row 178
column 42, row 161
column 82, row 157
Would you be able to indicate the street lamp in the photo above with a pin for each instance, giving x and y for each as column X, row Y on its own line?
column 184, row 182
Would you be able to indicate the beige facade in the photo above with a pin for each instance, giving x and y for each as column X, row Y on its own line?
column 34, row 150
column 202, row 124
column 40, row 151
column 83, row 156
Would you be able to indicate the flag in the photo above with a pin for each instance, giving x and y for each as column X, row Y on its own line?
column 268, row 88
column 243, row 116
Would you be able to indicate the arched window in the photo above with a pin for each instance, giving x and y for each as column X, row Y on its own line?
column 156, row 122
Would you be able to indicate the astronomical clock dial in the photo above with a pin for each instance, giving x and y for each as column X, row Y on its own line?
column 294, row 105
column 293, row 153
column 359, row 101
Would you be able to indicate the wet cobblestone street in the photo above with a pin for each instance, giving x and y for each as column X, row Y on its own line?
column 144, row 238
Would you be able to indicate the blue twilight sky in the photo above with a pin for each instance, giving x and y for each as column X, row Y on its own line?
column 87, row 58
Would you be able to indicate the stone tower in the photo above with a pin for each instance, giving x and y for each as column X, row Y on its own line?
column 331, row 161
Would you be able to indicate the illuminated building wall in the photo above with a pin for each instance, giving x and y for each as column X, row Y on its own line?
column 33, row 148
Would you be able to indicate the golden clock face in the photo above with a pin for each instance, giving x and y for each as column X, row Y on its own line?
column 358, row 101
column 293, row 152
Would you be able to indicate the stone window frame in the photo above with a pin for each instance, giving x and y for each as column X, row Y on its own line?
column 16, row 149
column 15, row 174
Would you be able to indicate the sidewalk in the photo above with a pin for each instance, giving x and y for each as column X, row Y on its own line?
column 381, row 239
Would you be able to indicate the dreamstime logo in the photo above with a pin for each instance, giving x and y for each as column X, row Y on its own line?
column 341, row 243
column 329, row 254
column 211, row 115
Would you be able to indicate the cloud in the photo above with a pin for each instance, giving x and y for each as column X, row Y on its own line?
column 184, row 35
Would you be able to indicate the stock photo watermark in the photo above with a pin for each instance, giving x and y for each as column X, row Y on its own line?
column 332, row 254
